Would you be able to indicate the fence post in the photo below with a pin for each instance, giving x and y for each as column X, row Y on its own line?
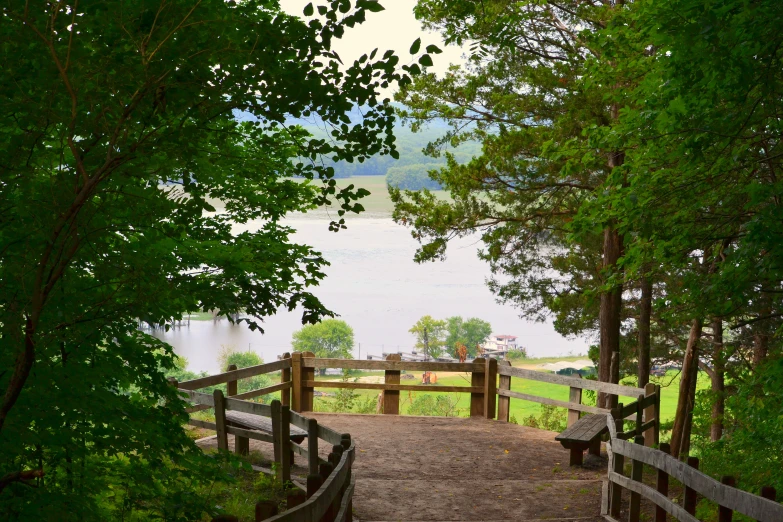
column 325, row 470
column 285, row 444
column 575, row 397
column 477, row 399
column 724, row 513
column 308, row 374
column 649, row 414
column 265, row 509
column 490, row 387
column 276, row 406
column 312, row 446
column 657, row 431
column 636, row 475
column 617, row 466
column 637, row 431
column 220, row 419
column 391, row 398
column 285, row 376
column 662, row 485
column 689, row 502
column 296, row 381
column 504, row 403
column 231, row 386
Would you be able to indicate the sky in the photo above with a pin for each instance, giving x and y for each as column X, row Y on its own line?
column 395, row 28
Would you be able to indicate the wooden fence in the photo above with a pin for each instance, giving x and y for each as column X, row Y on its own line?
column 328, row 494
column 723, row 493
column 330, row 484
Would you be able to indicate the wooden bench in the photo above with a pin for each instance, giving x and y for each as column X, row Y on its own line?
column 257, row 423
column 583, row 434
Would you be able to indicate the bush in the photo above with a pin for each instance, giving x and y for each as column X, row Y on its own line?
column 411, row 177
column 434, row 405
column 517, row 354
column 551, row 418
column 229, row 356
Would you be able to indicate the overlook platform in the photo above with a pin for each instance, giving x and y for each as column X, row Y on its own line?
column 460, row 469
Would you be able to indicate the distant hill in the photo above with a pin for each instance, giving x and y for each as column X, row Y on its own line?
column 409, row 145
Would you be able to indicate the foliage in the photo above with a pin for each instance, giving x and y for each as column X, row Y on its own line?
column 331, row 338
column 124, row 172
column 470, row 332
column 551, row 418
column 517, row 354
column 429, row 334
column 410, row 177
column 228, row 357
column 434, row 405
column 754, row 425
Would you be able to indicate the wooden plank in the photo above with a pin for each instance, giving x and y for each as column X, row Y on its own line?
column 345, row 503
column 285, row 444
column 329, row 435
column 737, row 500
column 690, row 497
column 285, row 377
column 259, row 423
column 296, row 382
column 249, row 434
column 255, row 408
column 263, row 391
column 316, row 506
column 276, row 434
column 552, row 402
column 202, row 424
column 477, row 397
column 428, row 366
column 231, row 386
column 308, row 374
column 490, row 387
column 634, row 509
column 649, row 493
column 585, row 384
column 200, row 407
column 662, row 485
column 397, row 387
column 616, row 494
column 504, row 402
column 220, row 419
column 242, row 373
column 585, row 429
column 312, row 446
column 574, row 397
column 391, row 398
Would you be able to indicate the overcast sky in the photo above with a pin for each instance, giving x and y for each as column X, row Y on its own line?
column 395, row 28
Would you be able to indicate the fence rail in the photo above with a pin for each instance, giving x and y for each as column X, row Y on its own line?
column 728, row 498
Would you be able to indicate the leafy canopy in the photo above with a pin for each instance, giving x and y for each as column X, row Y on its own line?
column 123, row 176
column 331, row 338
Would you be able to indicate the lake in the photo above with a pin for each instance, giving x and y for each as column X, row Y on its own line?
column 374, row 285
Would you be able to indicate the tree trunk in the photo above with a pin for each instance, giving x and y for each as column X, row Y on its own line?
column 643, row 327
column 760, row 347
column 685, row 448
column 718, row 378
column 690, row 360
column 609, row 320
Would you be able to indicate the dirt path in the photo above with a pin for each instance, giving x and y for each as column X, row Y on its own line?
column 457, row 469
column 443, row 469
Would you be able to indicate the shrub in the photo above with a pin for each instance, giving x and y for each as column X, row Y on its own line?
column 551, row 418
column 434, row 405
column 517, row 354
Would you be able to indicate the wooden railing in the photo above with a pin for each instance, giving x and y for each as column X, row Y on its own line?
column 728, row 498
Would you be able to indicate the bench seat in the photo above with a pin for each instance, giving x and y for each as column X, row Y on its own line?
column 259, row 423
column 583, row 434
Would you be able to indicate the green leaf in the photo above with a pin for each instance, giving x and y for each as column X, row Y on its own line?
column 416, row 46
column 434, row 49
column 425, row 60
column 308, row 10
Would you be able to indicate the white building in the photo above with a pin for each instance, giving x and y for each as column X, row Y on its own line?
column 499, row 344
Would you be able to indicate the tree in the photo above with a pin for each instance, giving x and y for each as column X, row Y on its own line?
column 430, row 335
column 123, row 173
column 471, row 333
column 331, row 339
column 520, row 96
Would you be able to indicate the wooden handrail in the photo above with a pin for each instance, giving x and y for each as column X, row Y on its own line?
column 359, row 364
column 242, row 373
column 726, row 496
column 394, row 387
column 585, row 384
column 552, row 402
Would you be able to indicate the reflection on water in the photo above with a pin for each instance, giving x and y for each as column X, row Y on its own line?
column 375, row 286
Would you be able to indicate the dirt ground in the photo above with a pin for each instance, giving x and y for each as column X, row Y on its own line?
column 458, row 469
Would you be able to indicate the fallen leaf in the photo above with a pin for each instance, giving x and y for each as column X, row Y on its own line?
column 505, row 451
